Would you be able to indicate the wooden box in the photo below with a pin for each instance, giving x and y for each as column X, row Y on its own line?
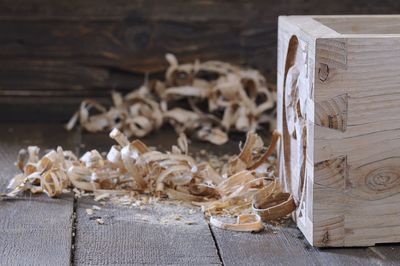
column 339, row 115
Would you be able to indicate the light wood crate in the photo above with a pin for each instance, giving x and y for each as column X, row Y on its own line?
column 339, row 115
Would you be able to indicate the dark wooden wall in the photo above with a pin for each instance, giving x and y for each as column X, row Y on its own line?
column 54, row 53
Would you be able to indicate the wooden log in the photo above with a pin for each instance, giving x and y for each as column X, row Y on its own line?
column 338, row 111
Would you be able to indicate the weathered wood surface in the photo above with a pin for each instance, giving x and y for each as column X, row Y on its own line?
column 34, row 230
column 133, row 236
column 271, row 247
column 338, row 109
column 147, row 235
column 275, row 246
column 84, row 49
column 287, row 246
column 141, row 235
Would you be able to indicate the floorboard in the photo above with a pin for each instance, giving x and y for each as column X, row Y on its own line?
column 389, row 253
column 287, row 246
column 335, row 256
column 37, row 230
column 270, row 247
column 157, row 234
column 275, row 246
column 34, row 230
column 154, row 234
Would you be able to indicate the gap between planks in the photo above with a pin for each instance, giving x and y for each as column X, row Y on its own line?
column 32, row 219
column 276, row 246
column 77, row 142
column 126, row 239
column 216, row 244
column 245, row 248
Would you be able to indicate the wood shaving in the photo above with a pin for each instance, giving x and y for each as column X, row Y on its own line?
column 99, row 221
column 132, row 173
column 271, row 203
column 219, row 98
column 245, row 223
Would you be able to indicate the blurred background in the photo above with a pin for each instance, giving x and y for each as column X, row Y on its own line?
column 53, row 54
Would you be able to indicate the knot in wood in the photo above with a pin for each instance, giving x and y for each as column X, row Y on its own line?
column 383, row 180
column 323, row 72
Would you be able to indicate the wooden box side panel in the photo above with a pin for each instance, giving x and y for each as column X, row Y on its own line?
column 295, row 117
column 357, row 141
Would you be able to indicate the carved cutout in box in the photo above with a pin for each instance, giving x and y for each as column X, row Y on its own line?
column 339, row 115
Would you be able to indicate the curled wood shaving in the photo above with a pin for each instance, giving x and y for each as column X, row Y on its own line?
column 220, row 98
column 245, row 223
column 99, row 221
column 271, row 203
column 133, row 171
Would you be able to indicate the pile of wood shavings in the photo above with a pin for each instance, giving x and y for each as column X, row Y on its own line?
column 131, row 170
column 219, row 98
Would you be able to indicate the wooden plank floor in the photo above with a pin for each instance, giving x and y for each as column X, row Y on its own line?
column 36, row 230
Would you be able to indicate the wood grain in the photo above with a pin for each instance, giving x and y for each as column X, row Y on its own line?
column 276, row 246
column 332, row 113
column 287, row 246
column 85, row 49
column 134, row 236
column 151, row 235
column 267, row 248
column 34, row 230
column 351, row 193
